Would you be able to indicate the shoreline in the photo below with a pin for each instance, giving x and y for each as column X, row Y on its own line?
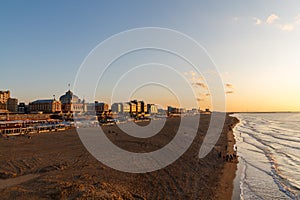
column 229, row 172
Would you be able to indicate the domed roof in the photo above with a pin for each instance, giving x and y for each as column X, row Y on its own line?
column 69, row 97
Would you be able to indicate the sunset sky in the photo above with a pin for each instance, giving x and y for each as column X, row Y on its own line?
column 254, row 44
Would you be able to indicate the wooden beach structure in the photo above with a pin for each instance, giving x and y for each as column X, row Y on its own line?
column 23, row 127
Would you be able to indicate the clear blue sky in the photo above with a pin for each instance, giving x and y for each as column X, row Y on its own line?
column 255, row 44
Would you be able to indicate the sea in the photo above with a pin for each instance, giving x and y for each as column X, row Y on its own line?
column 268, row 146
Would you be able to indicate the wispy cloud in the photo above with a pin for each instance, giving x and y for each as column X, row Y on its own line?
column 274, row 20
column 287, row 27
column 197, row 81
column 228, row 85
column 292, row 25
column 193, row 76
column 202, row 85
column 200, row 99
column 229, row 88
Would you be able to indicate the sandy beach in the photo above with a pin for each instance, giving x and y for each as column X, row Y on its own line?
column 229, row 171
column 57, row 166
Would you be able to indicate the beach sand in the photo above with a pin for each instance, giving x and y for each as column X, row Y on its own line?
column 57, row 166
column 229, row 171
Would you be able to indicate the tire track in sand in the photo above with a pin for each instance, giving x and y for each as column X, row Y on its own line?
column 18, row 180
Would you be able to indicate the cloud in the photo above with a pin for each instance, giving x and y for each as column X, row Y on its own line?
column 272, row 18
column 228, row 85
column 297, row 20
column 292, row 25
column 193, row 76
column 229, row 88
column 192, row 73
column 257, row 21
column 199, row 99
column 202, row 85
column 195, row 79
column 287, row 27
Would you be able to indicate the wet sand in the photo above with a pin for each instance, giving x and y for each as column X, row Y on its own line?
column 57, row 166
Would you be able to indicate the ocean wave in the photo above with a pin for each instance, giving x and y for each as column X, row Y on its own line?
column 252, row 132
column 244, row 184
column 283, row 183
column 278, row 141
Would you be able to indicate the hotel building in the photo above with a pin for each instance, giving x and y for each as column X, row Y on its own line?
column 152, row 109
column 71, row 103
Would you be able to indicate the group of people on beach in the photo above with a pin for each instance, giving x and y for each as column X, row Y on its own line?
column 229, row 157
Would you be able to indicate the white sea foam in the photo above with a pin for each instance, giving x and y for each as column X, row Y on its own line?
column 269, row 150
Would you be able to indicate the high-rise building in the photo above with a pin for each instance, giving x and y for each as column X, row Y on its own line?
column 4, row 96
column 144, row 108
column 141, row 107
column 126, row 107
column 117, row 108
column 12, row 105
column 152, row 109
column 137, row 105
column 133, row 107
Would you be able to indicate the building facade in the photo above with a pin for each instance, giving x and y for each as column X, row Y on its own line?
column 126, row 107
column 8, row 104
column 12, row 105
column 117, row 108
column 152, row 109
column 3, row 107
column 71, row 103
column 133, row 108
column 45, row 106
column 23, row 108
column 140, row 107
column 4, row 96
column 144, row 108
column 173, row 110
column 101, row 107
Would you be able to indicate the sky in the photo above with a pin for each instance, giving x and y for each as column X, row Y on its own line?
column 254, row 44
